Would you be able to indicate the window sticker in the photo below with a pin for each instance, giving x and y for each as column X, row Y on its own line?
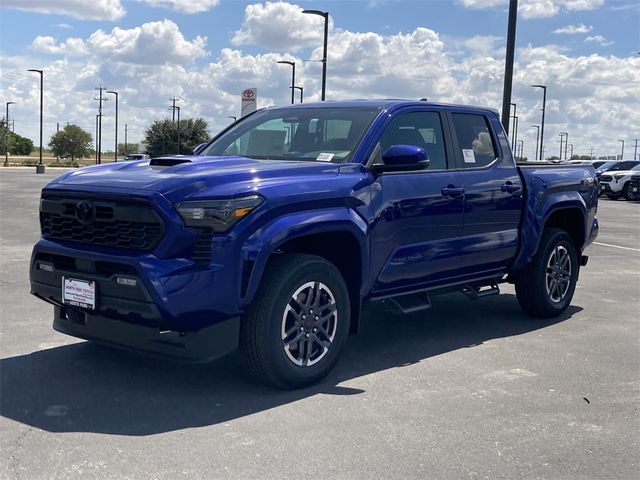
column 469, row 156
column 325, row 157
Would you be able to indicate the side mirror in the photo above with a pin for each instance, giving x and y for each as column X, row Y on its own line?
column 400, row 158
column 199, row 148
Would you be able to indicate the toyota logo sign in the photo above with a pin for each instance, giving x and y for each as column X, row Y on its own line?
column 85, row 212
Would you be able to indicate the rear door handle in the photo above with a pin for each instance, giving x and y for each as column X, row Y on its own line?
column 509, row 187
column 451, row 191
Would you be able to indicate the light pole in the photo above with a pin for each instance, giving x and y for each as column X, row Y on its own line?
column 40, row 166
column 562, row 134
column 571, row 157
column 622, row 152
column 508, row 62
column 96, row 142
column 126, row 149
column 566, row 142
column 544, row 107
column 6, row 137
column 537, row 127
column 301, row 92
column 178, row 108
column 521, row 144
column 293, row 77
column 515, row 112
column 635, row 149
column 232, row 117
column 115, row 154
column 325, row 15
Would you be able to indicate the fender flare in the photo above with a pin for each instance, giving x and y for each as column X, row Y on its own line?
column 260, row 245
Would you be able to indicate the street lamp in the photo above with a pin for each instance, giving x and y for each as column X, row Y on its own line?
column 521, row 148
column 562, row 134
column 6, row 137
column 571, row 157
column 537, row 127
column 544, row 107
column 178, row 108
column 96, row 142
column 325, row 15
column 293, row 76
column 622, row 152
column 115, row 155
column 40, row 166
column 301, row 92
column 515, row 112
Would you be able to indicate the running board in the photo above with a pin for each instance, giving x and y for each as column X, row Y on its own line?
column 478, row 291
column 411, row 303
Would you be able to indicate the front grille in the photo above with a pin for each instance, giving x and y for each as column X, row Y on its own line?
column 112, row 223
column 606, row 178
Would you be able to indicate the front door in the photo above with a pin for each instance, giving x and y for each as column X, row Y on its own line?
column 418, row 214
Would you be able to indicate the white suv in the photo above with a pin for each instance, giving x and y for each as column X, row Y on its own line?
column 615, row 184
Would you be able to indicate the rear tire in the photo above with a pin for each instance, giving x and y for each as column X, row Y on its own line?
column 627, row 193
column 545, row 287
column 296, row 327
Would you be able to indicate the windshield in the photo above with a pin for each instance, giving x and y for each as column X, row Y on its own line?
column 328, row 134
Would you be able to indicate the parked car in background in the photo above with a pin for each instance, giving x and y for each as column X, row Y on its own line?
column 633, row 192
column 615, row 183
column 137, row 156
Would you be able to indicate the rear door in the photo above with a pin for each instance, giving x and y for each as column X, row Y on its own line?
column 493, row 199
column 418, row 214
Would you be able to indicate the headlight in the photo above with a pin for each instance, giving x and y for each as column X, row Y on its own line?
column 219, row 215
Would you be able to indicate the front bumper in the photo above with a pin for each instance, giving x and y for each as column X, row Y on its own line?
column 203, row 345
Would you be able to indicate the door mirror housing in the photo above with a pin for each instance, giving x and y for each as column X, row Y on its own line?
column 399, row 158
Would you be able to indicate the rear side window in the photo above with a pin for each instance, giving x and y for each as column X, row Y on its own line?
column 475, row 144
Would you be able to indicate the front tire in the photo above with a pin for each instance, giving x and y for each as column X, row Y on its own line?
column 546, row 286
column 296, row 327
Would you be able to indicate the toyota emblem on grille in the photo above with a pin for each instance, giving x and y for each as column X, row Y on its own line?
column 85, row 212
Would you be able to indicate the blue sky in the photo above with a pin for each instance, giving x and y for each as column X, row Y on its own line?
column 206, row 51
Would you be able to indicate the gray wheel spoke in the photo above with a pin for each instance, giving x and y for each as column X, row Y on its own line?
column 316, row 294
column 309, row 348
column 295, row 339
column 293, row 329
column 323, row 343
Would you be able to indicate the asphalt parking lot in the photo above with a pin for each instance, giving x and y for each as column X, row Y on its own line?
column 471, row 389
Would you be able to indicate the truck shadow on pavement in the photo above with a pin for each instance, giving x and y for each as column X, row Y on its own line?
column 88, row 388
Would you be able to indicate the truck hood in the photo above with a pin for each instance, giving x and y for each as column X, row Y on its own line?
column 180, row 177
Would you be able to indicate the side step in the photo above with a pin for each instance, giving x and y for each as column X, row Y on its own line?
column 411, row 303
column 477, row 291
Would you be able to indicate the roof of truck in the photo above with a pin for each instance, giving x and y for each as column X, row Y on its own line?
column 382, row 104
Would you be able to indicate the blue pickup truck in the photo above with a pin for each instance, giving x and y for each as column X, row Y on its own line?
column 276, row 233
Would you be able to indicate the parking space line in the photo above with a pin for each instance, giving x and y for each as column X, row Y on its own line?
column 617, row 246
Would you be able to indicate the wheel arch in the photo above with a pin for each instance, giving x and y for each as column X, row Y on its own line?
column 339, row 236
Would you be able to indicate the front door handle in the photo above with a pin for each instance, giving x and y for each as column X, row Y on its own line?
column 509, row 187
column 451, row 191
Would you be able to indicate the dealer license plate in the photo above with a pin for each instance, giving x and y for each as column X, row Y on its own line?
column 79, row 293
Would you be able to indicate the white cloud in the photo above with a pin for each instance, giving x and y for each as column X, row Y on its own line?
column 185, row 6
column 279, row 25
column 599, row 39
column 71, row 46
column 150, row 44
column 80, row 9
column 584, row 91
column 573, row 29
column 532, row 9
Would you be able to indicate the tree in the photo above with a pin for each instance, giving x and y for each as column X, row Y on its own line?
column 18, row 145
column 72, row 141
column 131, row 148
column 162, row 136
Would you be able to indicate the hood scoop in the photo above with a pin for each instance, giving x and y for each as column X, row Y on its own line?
column 169, row 161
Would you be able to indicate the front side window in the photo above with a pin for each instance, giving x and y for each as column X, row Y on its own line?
column 314, row 134
column 475, row 144
column 419, row 129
